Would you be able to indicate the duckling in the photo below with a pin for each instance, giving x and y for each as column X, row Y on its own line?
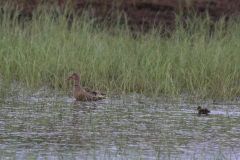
column 203, row 110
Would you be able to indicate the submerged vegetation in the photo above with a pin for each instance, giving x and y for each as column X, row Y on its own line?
column 198, row 58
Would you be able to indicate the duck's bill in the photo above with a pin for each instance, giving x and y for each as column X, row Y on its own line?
column 70, row 78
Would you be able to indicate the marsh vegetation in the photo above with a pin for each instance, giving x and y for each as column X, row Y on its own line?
column 198, row 58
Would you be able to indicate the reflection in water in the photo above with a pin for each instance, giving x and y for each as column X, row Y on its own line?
column 81, row 107
column 121, row 127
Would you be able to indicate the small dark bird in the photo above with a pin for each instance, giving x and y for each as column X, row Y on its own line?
column 203, row 110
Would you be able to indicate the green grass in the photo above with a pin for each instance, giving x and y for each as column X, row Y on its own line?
column 45, row 50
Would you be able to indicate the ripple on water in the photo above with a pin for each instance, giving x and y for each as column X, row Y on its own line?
column 43, row 125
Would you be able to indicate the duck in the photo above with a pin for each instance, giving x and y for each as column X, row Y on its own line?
column 84, row 93
column 203, row 110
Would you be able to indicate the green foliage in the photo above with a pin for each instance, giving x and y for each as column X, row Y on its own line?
column 198, row 58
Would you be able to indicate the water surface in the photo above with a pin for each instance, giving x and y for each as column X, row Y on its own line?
column 55, row 126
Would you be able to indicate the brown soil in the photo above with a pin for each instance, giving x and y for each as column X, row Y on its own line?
column 142, row 13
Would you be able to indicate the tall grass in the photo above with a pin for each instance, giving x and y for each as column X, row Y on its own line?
column 45, row 50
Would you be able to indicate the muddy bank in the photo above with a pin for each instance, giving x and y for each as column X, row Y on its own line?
column 141, row 14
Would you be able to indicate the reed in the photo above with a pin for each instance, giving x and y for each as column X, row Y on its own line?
column 46, row 49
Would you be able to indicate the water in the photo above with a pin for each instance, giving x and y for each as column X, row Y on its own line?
column 55, row 126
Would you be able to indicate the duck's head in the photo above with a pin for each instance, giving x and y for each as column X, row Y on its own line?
column 199, row 107
column 73, row 77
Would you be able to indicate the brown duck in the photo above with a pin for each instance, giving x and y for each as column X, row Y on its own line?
column 203, row 110
column 84, row 93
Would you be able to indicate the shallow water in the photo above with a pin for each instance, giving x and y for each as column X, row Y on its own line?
column 121, row 127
